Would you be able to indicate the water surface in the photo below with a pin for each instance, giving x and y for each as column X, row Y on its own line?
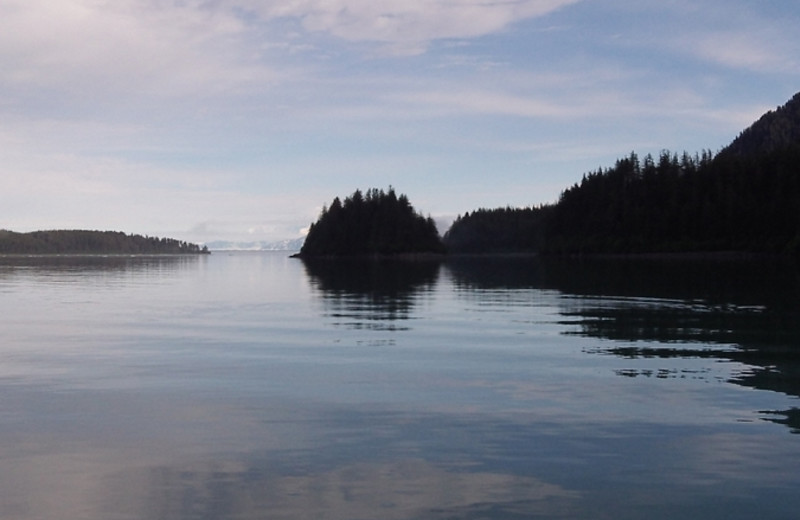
column 252, row 385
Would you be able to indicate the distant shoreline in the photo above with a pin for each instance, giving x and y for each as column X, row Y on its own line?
column 374, row 256
column 101, row 255
column 92, row 242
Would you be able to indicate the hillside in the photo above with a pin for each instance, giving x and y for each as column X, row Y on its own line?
column 501, row 231
column 377, row 223
column 744, row 199
column 775, row 130
column 90, row 242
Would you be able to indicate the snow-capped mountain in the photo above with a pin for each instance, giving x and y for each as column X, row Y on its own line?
column 281, row 245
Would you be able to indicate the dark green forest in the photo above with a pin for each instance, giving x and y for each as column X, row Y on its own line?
column 372, row 223
column 746, row 198
column 91, row 242
column 501, row 230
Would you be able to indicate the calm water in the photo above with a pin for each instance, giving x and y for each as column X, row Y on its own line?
column 244, row 386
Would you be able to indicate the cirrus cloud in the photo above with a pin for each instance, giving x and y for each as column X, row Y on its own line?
column 406, row 26
column 756, row 52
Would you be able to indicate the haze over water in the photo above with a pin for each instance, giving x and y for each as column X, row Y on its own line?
column 252, row 385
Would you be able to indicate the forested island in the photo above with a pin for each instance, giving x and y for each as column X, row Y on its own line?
column 746, row 198
column 83, row 242
column 375, row 223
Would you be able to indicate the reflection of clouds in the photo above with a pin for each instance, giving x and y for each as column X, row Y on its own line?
column 22, row 477
column 733, row 458
column 377, row 463
column 408, row 489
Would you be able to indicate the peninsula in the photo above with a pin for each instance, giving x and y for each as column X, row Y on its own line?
column 83, row 242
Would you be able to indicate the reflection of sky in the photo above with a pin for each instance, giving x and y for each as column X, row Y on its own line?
column 223, row 390
column 397, row 490
column 126, row 456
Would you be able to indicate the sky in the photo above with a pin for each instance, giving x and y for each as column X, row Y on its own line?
column 238, row 120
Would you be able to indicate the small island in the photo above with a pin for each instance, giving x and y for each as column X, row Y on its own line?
column 83, row 242
column 372, row 224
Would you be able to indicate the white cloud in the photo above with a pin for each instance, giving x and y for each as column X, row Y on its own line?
column 407, row 26
column 487, row 102
column 742, row 50
column 92, row 48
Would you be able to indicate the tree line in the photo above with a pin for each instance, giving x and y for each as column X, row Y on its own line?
column 500, row 230
column 745, row 198
column 673, row 203
column 91, row 242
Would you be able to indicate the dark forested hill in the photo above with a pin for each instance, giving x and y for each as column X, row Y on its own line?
column 501, row 230
column 775, row 130
column 375, row 223
column 91, row 242
column 746, row 198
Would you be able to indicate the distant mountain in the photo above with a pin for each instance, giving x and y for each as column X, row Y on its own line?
column 281, row 245
column 775, row 130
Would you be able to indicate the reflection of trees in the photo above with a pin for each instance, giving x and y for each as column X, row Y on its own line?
column 766, row 340
column 496, row 272
column 371, row 294
column 48, row 265
column 745, row 312
column 790, row 418
column 736, row 310
column 734, row 281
